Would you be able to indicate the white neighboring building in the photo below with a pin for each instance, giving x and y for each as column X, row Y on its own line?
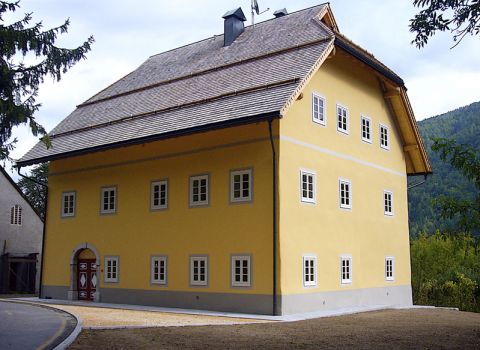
column 21, row 231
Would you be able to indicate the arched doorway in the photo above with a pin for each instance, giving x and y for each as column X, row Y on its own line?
column 84, row 273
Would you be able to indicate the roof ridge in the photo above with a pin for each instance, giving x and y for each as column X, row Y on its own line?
column 88, row 101
column 249, row 26
column 205, row 71
column 189, row 104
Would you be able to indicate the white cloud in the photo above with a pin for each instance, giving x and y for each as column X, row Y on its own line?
column 457, row 89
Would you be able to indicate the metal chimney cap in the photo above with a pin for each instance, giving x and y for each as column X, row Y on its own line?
column 238, row 13
column 280, row 13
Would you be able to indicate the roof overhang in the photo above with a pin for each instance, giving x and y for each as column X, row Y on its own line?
column 158, row 137
column 349, row 47
column 20, row 192
column 395, row 94
column 326, row 16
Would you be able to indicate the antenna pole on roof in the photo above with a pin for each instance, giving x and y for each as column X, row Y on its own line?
column 256, row 9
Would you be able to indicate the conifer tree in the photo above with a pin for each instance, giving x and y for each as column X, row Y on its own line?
column 34, row 189
column 19, row 82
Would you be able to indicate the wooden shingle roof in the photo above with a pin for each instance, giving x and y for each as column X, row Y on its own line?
column 207, row 85
column 195, row 86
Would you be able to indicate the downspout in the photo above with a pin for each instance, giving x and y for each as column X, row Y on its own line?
column 418, row 183
column 274, row 175
column 44, row 227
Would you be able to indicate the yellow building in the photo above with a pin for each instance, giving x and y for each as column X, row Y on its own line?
column 260, row 171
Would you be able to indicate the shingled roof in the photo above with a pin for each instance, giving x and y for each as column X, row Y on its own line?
column 204, row 85
column 194, row 86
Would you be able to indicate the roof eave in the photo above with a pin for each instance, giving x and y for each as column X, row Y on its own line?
column 20, row 192
column 423, row 152
column 157, row 137
column 369, row 61
column 395, row 80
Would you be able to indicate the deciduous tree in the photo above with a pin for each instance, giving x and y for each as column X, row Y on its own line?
column 467, row 160
column 460, row 17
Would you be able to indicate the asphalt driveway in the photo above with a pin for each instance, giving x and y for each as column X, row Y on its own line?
column 26, row 326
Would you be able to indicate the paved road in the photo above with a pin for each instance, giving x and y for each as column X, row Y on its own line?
column 25, row 326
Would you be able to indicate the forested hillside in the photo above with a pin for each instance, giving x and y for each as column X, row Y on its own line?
column 462, row 125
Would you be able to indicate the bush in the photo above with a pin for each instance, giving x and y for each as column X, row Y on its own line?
column 446, row 271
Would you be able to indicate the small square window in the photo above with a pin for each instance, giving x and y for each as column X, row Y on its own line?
column 389, row 268
column 159, row 195
column 307, row 186
column 109, row 200
column 384, row 138
column 198, row 270
column 319, row 109
column 16, row 215
column 68, row 204
column 159, row 269
column 346, row 269
column 345, row 194
column 342, row 119
column 241, row 271
column 366, row 129
column 199, row 190
column 388, row 203
column 111, row 268
column 309, row 270
column 241, row 185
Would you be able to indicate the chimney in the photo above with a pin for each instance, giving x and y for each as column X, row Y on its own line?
column 280, row 13
column 233, row 25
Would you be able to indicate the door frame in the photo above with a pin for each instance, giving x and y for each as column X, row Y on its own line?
column 73, row 291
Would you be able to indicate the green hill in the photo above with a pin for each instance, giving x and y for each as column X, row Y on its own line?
column 462, row 125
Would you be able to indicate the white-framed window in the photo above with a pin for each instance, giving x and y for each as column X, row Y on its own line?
column 16, row 215
column 111, row 268
column 241, row 185
column 342, row 119
column 198, row 270
column 346, row 269
column 366, row 129
column 158, row 270
column 199, row 190
column 389, row 268
column 388, row 202
column 307, row 186
column 309, row 270
column 109, row 200
column 159, row 195
column 345, row 193
column 241, row 271
column 319, row 107
column 68, row 204
column 384, row 137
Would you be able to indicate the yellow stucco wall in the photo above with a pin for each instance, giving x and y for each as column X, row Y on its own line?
column 135, row 233
column 323, row 229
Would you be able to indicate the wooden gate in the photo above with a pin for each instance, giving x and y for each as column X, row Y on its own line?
column 18, row 273
column 86, row 279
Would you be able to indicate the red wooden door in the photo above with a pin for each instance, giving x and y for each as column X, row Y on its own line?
column 86, row 279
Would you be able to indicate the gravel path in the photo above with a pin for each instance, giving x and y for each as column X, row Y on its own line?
column 98, row 317
column 388, row 329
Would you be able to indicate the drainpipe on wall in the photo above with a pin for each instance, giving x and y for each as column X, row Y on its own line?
column 274, row 174
column 44, row 226
column 425, row 176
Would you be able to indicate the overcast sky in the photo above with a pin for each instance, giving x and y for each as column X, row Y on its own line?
column 128, row 32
